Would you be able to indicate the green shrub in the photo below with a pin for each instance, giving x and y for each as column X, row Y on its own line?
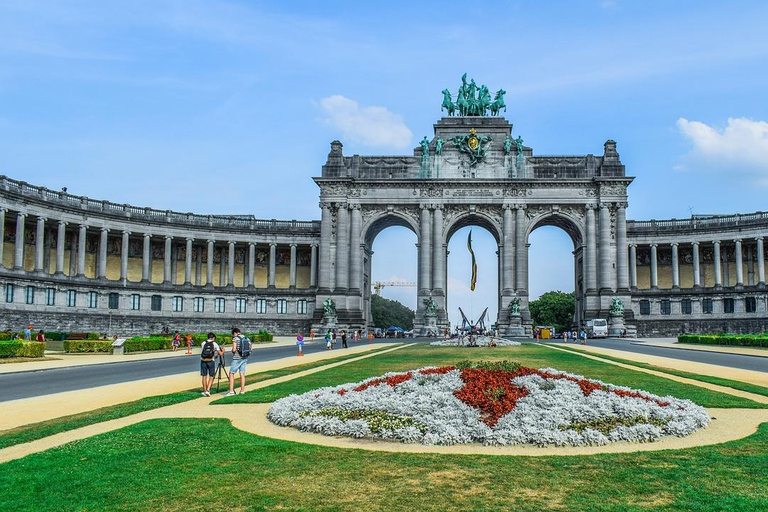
column 738, row 340
column 9, row 348
column 92, row 336
column 31, row 349
column 145, row 343
column 505, row 365
column 53, row 335
column 82, row 346
column 10, row 335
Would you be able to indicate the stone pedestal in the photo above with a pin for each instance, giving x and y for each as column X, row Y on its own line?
column 430, row 325
column 616, row 325
column 515, row 327
column 329, row 321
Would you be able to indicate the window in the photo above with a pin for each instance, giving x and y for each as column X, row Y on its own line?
column 261, row 306
column 240, row 305
column 8, row 291
column 71, row 298
column 178, row 304
column 727, row 305
column 93, row 299
column 706, row 306
column 301, row 307
column 30, row 294
column 685, row 305
column 218, row 305
column 135, row 302
column 198, row 304
column 114, row 300
column 50, row 296
column 750, row 304
column 645, row 307
column 666, row 308
column 156, row 303
column 282, row 306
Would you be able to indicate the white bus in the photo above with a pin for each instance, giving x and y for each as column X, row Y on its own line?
column 597, row 328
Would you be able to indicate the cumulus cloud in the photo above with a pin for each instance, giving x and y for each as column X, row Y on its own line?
column 371, row 126
column 742, row 146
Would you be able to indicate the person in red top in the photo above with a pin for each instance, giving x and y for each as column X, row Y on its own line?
column 189, row 344
column 41, row 336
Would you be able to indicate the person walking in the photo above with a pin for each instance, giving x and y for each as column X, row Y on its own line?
column 344, row 338
column 354, row 336
column 370, row 337
column 583, row 335
column 333, row 336
column 176, row 341
column 328, row 340
column 312, row 336
column 28, row 333
column 41, row 336
column 210, row 351
column 241, row 350
column 189, row 344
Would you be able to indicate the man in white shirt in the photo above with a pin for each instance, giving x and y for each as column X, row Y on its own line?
column 210, row 350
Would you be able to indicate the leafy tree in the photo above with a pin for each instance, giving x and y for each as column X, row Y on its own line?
column 553, row 308
column 387, row 312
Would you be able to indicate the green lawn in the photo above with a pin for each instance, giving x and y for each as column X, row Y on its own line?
column 528, row 354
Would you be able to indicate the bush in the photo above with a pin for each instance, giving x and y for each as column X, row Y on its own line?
column 145, row 343
column 54, row 335
column 505, row 365
column 9, row 348
column 83, row 346
column 31, row 349
column 738, row 340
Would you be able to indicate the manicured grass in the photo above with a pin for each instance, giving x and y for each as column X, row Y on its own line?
column 528, row 354
column 190, row 464
column 741, row 386
column 43, row 429
column 7, row 360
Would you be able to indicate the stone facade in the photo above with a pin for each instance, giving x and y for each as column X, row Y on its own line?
column 78, row 264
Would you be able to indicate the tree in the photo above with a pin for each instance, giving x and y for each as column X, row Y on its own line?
column 553, row 308
column 387, row 312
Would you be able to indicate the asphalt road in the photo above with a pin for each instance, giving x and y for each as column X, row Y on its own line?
column 755, row 363
column 57, row 380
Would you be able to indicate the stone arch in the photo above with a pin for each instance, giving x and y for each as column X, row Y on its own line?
column 386, row 219
column 476, row 218
column 572, row 225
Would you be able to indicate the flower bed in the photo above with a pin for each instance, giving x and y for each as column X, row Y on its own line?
column 480, row 341
column 498, row 403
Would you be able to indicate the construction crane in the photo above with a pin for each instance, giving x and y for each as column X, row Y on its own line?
column 378, row 285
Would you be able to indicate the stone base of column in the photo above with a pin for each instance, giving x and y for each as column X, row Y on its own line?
column 674, row 287
column 515, row 327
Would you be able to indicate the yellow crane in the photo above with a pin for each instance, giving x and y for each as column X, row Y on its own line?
column 378, row 285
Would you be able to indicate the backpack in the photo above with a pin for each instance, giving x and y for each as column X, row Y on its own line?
column 245, row 347
column 208, row 352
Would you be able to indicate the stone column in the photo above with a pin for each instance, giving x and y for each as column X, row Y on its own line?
column 633, row 266
column 145, row 260
column 231, row 265
column 81, row 250
column 324, row 274
column 718, row 272
column 313, row 267
column 424, row 252
column 198, row 266
column 696, row 266
column 61, row 241
column 590, row 256
column 40, row 244
column 521, row 253
column 438, row 253
column 223, row 266
column 739, row 265
column 675, row 268
column 251, row 264
column 604, row 255
column 2, row 235
column 124, row 247
column 18, row 254
column 654, row 268
column 342, row 249
column 507, row 253
column 272, row 262
column 209, row 264
column 188, row 262
column 102, row 266
column 167, row 259
column 622, row 282
column 760, row 261
column 355, row 251
column 293, row 266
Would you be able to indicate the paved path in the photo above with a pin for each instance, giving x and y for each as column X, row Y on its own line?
column 26, row 384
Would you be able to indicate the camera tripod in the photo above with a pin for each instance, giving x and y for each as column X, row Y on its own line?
column 222, row 368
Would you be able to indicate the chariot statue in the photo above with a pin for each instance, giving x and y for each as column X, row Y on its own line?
column 329, row 307
column 617, row 307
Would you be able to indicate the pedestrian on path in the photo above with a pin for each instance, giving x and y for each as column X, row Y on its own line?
column 583, row 335
column 41, row 336
column 189, row 344
column 210, row 351
column 241, row 349
column 312, row 335
column 176, row 341
column 328, row 340
column 370, row 337
column 28, row 333
column 344, row 338
column 354, row 336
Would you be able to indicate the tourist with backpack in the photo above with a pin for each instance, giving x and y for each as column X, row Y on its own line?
column 211, row 349
column 241, row 349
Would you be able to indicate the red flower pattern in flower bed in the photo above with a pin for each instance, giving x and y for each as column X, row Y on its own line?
column 393, row 381
column 437, row 371
column 490, row 391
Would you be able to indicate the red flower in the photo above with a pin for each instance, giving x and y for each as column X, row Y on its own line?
column 438, row 371
column 393, row 381
column 490, row 391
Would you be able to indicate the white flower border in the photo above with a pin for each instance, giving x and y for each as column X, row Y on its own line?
column 446, row 420
column 481, row 341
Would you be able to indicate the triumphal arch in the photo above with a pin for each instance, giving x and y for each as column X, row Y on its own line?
column 475, row 170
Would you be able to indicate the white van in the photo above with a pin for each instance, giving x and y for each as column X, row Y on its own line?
column 597, row 328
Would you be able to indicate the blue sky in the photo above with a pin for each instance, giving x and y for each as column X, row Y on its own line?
column 229, row 107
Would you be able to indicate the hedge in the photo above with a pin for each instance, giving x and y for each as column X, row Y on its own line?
column 139, row 343
column 738, row 340
column 81, row 346
column 16, row 348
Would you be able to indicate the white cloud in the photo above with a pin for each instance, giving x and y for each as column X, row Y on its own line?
column 741, row 147
column 371, row 126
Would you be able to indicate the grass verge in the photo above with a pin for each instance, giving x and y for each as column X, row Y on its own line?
column 8, row 360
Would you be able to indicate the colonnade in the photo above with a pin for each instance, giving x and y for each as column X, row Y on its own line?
column 192, row 273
